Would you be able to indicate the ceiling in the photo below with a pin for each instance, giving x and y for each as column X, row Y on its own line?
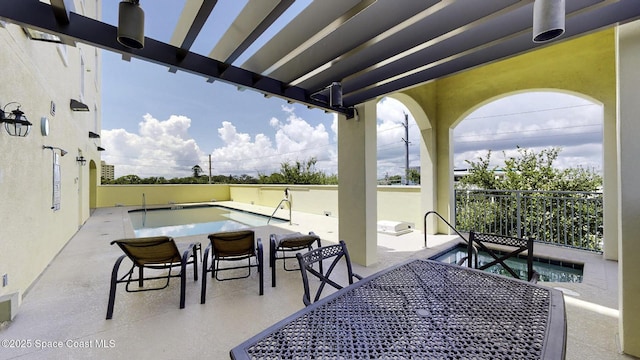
column 370, row 47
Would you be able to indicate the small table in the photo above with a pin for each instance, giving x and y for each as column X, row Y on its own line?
column 422, row 309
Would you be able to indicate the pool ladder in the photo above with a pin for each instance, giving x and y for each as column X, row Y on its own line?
column 284, row 200
column 144, row 207
column 475, row 249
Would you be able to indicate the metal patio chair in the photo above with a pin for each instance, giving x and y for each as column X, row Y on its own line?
column 282, row 245
column 507, row 242
column 157, row 253
column 308, row 259
column 231, row 246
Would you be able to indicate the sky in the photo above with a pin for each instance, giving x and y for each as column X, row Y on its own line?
column 156, row 123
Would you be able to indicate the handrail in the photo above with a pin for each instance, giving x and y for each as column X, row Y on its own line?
column 445, row 221
column 475, row 249
column 285, row 199
column 277, row 207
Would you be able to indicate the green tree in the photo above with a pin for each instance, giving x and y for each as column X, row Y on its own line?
column 414, row 176
column 481, row 175
column 128, row 179
column 520, row 203
column 299, row 172
column 530, row 171
column 197, row 170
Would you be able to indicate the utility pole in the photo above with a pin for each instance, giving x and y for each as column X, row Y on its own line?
column 209, row 168
column 406, row 146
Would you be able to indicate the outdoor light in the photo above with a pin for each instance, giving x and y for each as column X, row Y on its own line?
column 15, row 123
column 548, row 20
column 331, row 95
column 54, row 148
column 131, row 24
column 76, row 105
column 81, row 160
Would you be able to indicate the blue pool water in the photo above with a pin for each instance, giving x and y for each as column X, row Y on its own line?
column 549, row 270
column 194, row 220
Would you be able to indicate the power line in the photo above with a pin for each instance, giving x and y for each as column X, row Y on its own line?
column 530, row 111
column 527, row 138
column 533, row 130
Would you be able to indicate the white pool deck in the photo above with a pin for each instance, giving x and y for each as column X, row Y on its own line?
column 63, row 314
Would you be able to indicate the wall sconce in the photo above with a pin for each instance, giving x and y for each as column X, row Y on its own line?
column 15, row 123
column 131, row 24
column 548, row 20
column 81, row 160
column 76, row 105
column 54, row 148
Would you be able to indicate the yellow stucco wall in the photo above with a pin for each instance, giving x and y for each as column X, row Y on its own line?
column 38, row 74
column 584, row 66
column 397, row 203
column 132, row 195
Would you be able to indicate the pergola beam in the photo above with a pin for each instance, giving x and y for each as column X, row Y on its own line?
column 38, row 15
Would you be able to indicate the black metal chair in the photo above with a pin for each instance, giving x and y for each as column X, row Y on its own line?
column 308, row 259
column 286, row 244
column 159, row 253
column 231, row 246
column 521, row 245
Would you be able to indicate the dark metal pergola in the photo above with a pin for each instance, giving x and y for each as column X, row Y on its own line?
column 370, row 48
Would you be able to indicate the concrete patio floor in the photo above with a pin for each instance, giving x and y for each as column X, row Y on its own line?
column 63, row 315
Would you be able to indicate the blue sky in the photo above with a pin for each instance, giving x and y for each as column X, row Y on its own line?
column 156, row 123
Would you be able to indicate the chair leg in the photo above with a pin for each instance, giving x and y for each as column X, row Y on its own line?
column 261, row 267
column 112, row 290
column 183, row 283
column 272, row 262
column 205, row 267
column 195, row 261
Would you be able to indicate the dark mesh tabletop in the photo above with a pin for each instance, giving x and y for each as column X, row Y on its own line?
column 418, row 310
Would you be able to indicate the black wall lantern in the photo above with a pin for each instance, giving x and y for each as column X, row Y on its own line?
column 15, row 122
column 81, row 160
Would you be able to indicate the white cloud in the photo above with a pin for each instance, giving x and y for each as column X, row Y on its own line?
column 295, row 140
column 162, row 148
column 165, row 147
column 536, row 121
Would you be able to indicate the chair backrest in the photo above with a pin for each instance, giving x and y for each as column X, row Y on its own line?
column 520, row 244
column 233, row 243
column 150, row 250
column 294, row 241
column 315, row 256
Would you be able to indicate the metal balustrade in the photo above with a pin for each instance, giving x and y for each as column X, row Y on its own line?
column 567, row 218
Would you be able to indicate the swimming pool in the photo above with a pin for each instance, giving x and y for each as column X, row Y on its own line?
column 549, row 270
column 193, row 220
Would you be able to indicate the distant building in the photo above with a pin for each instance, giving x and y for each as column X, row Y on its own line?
column 107, row 171
column 460, row 173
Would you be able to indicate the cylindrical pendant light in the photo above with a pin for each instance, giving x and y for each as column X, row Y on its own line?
column 131, row 24
column 548, row 20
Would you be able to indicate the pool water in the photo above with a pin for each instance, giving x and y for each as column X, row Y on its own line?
column 549, row 270
column 194, row 220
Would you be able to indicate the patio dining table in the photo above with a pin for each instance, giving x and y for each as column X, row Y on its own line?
column 422, row 309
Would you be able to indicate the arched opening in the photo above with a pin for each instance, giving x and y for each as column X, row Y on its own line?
column 405, row 156
column 534, row 120
column 531, row 164
column 93, row 184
